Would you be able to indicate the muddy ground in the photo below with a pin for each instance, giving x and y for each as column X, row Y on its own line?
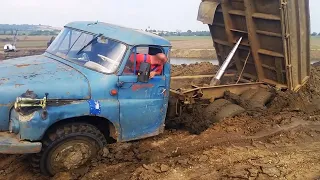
column 20, row 53
column 282, row 142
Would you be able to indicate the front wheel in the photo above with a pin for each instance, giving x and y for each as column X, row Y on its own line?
column 68, row 147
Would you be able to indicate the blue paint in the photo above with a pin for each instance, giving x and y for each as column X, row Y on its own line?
column 41, row 75
column 137, row 111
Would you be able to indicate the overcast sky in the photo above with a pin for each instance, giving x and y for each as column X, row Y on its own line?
column 158, row 14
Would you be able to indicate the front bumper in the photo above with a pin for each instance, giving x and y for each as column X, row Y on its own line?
column 10, row 144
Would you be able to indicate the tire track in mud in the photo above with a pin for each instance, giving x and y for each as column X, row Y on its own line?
column 226, row 138
column 168, row 151
column 160, row 150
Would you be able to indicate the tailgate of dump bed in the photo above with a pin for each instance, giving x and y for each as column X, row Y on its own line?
column 276, row 45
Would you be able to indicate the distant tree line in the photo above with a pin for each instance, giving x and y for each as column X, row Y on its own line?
column 26, row 29
column 315, row 34
column 43, row 33
column 19, row 27
column 179, row 33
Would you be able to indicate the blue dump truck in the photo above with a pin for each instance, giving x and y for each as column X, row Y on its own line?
column 65, row 105
column 70, row 100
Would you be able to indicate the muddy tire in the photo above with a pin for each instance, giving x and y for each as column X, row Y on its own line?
column 214, row 107
column 261, row 98
column 68, row 147
column 247, row 95
column 171, row 112
column 230, row 110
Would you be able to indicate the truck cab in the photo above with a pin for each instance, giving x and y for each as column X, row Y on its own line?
column 65, row 105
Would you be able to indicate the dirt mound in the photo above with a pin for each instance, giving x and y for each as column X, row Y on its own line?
column 284, row 105
column 306, row 100
column 204, row 68
column 194, row 53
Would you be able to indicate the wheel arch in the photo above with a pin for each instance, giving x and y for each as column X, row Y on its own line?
column 105, row 126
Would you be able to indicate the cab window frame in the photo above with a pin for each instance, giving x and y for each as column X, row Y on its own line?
column 133, row 50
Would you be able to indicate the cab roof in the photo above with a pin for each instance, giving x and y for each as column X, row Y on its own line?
column 126, row 35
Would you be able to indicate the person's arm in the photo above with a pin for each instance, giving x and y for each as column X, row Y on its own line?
column 158, row 71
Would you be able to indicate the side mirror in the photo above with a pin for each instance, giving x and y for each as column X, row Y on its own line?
column 144, row 72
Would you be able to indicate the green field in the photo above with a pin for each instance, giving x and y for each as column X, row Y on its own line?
column 184, row 38
column 315, row 43
column 25, row 42
column 184, row 43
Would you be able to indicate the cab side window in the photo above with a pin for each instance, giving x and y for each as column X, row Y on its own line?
column 144, row 54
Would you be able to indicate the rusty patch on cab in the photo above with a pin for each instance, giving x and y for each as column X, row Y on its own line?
column 137, row 87
column 18, row 85
column 23, row 65
column 3, row 80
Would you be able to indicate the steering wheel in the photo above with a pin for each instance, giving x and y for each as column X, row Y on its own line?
column 84, row 56
column 104, row 58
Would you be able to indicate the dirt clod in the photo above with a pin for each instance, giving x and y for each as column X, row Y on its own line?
column 63, row 176
column 105, row 152
column 164, row 168
column 253, row 172
column 271, row 171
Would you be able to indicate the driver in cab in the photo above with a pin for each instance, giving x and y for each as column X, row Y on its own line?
column 156, row 61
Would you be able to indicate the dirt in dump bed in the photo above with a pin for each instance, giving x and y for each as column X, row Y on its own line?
column 204, row 68
column 279, row 143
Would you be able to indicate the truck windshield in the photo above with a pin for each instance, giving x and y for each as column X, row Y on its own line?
column 93, row 51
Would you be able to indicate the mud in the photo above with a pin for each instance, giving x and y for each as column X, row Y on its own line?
column 193, row 120
column 281, row 142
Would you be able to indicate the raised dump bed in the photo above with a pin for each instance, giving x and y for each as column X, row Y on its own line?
column 276, row 44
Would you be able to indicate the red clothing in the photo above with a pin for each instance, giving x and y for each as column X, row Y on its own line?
column 140, row 58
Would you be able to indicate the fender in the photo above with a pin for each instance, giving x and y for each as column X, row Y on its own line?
column 33, row 127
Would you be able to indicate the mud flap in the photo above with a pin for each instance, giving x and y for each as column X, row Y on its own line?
column 207, row 11
column 10, row 144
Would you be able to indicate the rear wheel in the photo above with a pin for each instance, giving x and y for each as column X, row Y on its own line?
column 214, row 107
column 68, row 147
column 262, row 97
column 247, row 95
column 257, row 98
column 230, row 110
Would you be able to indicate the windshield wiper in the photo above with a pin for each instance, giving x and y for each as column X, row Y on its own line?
column 93, row 39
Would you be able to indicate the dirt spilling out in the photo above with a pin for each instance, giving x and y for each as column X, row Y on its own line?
column 306, row 101
column 281, row 142
column 193, row 120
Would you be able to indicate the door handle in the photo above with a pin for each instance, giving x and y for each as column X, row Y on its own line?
column 120, row 84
